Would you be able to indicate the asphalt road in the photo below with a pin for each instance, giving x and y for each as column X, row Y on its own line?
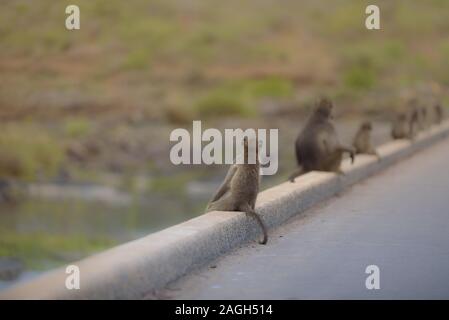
column 397, row 220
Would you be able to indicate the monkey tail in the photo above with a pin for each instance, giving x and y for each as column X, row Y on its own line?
column 352, row 155
column 262, row 225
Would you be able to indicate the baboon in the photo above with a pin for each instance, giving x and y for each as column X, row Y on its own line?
column 413, row 124
column 400, row 129
column 317, row 146
column 362, row 140
column 438, row 113
column 422, row 119
column 405, row 127
column 239, row 190
column 417, row 115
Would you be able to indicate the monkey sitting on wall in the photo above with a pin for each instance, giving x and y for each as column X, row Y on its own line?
column 399, row 128
column 317, row 146
column 423, row 123
column 404, row 126
column 239, row 190
column 362, row 140
column 438, row 113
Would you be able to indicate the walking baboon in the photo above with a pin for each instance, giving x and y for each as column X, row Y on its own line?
column 239, row 190
column 438, row 113
column 362, row 140
column 317, row 146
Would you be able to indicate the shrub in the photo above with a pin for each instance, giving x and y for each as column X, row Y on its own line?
column 359, row 78
column 26, row 151
column 224, row 103
column 137, row 59
column 76, row 128
column 270, row 87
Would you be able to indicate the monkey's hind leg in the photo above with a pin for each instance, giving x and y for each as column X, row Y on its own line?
column 296, row 173
column 225, row 203
column 349, row 150
column 250, row 211
column 224, row 187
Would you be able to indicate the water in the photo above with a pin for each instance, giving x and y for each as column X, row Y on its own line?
column 45, row 233
column 23, row 277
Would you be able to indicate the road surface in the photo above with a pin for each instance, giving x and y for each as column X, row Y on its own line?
column 397, row 220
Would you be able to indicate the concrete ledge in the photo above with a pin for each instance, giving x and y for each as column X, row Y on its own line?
column 134, row 269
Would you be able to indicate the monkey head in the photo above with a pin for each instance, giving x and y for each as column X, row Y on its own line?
column 324, row 108
column 251, row 148
column 403, row 116
column 367, row 126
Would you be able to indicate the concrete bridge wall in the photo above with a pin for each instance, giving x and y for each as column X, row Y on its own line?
column 131, row 270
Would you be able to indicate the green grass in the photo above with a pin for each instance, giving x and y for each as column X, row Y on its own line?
column 443, row 71
column 26, row 152
column 138, row 59
column 239, row 98
column 364, row 63
column 37, row 249
column 268, row 88
column 359, row 78
column 77, row 127
column 224, row 103
column 346, row 19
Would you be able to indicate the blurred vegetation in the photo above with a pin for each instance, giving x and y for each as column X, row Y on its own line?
column 239, row 98
column 132, row 50
column 36, row 250
column 91, row 98
column 220, row 103
column 77, row 127
column 174, row 184
column 26, row 151
column 75, row 105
